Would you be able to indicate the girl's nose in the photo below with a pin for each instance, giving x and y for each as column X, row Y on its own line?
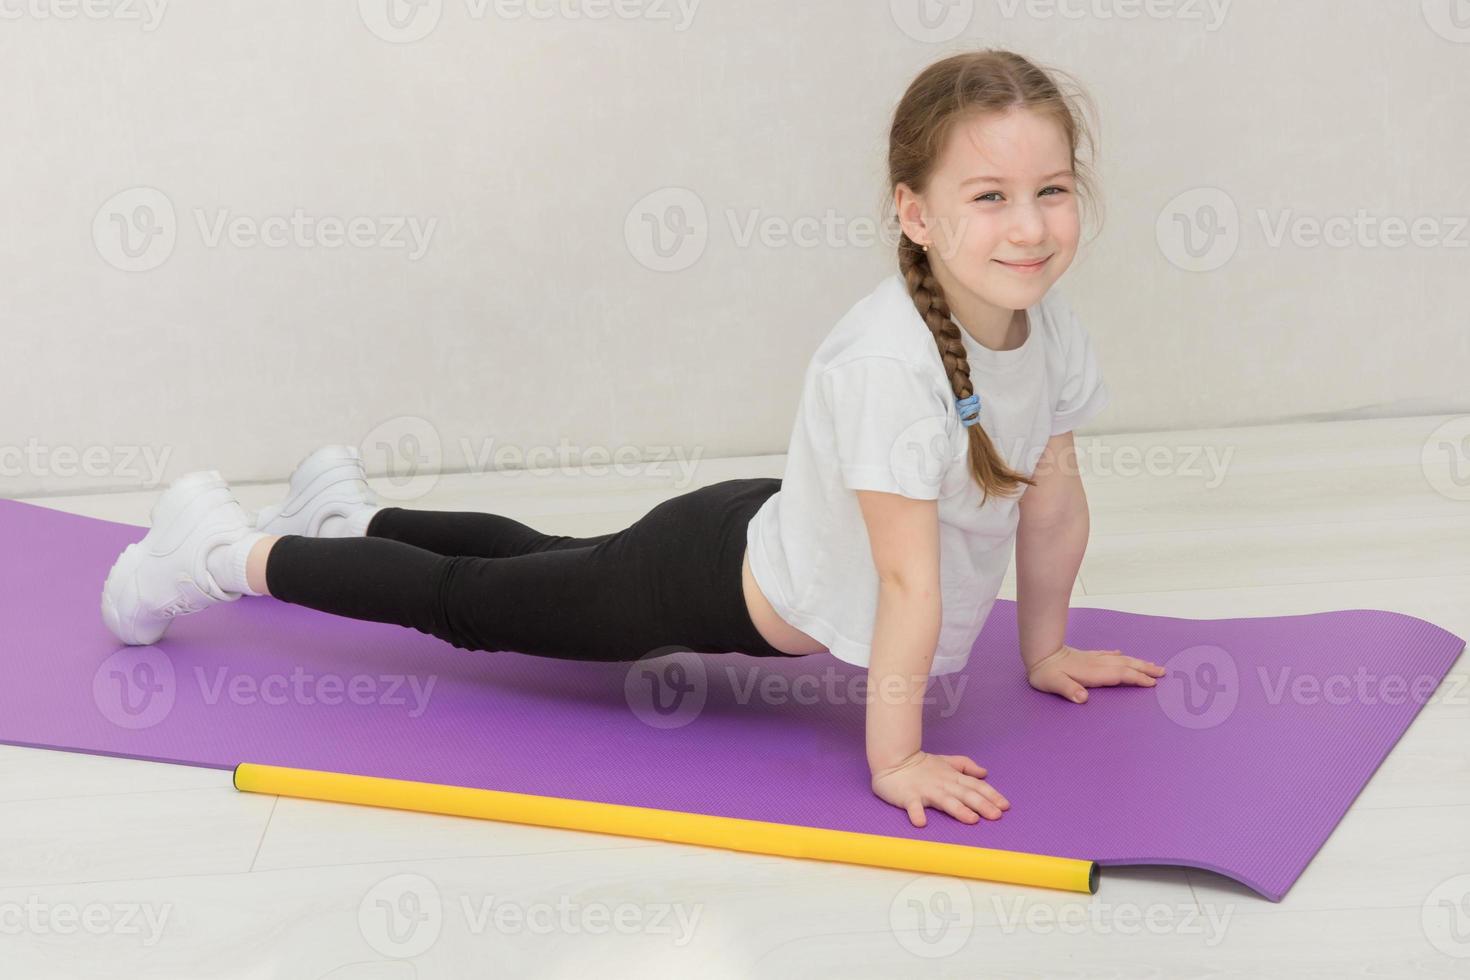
column 1027, row 223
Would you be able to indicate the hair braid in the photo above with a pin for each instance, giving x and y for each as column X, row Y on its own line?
column 990, row 469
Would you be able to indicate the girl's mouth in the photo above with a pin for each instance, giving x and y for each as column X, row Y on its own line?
column 1025, row 266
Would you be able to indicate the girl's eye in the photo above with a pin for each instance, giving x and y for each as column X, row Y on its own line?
column 1053, row 187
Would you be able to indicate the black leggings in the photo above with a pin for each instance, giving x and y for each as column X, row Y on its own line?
column 486, row 582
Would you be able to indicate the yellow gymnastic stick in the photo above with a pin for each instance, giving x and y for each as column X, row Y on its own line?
column 733, row 833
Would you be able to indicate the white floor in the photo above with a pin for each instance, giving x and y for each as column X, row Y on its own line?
column 119, row 868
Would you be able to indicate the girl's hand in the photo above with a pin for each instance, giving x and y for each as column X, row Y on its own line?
column 950, row 783
column 1070, row 671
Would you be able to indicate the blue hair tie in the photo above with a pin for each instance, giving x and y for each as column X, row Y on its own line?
column 969, row 409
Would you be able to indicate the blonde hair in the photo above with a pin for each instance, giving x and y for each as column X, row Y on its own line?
column 948, row 92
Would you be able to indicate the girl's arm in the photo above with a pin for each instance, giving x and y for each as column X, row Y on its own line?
column 1050, row 540
column 1049, row 544
column 904, row 535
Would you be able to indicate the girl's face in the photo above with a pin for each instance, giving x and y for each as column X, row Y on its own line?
column 1002, row 196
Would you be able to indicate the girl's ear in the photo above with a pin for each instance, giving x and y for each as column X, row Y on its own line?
column 909, row 208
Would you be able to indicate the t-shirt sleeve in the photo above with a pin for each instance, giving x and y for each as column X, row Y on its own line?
column 889, row 426
column 1082, row 393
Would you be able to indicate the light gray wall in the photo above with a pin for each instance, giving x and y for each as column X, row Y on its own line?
column 532, row 153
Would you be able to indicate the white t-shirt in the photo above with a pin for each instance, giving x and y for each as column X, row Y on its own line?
column 877, row 413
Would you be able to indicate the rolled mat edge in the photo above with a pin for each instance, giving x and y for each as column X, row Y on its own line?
column 731, row 833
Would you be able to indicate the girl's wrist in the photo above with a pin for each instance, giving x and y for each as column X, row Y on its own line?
column 1044, row 661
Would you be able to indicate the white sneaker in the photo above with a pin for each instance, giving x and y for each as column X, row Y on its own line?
column 329, row 483
column 164, row 575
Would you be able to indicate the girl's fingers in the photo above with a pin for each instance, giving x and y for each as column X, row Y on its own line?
column 952, row 806
column 1115, row 676
column 916, row 813
column 1142, row 679
column 981, row 804
column 967, row 765
column 1147, row 666
column 986, row 790
column 1112, row 676
column 1107, row 676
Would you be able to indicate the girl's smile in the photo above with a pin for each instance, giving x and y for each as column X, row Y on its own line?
column 1025, row 268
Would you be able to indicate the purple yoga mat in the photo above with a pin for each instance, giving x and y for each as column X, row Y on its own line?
column 1241, row 761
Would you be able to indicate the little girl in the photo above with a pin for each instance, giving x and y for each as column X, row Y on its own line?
column 934, row 428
